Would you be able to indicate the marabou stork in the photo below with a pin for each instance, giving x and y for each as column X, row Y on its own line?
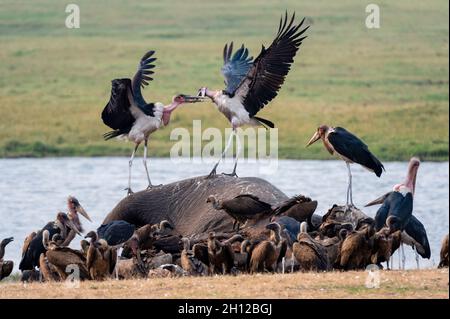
column 349, row 148
column 252, row 85
column 396, row 211
column 129, row 115
column 74, row 208
column 62, row 225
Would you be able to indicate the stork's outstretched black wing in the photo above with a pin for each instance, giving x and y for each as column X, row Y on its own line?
column 144, row 72
column 350, row 146
column 117, row 114
column 270, row 68
column 235, row 67
column 141, row 79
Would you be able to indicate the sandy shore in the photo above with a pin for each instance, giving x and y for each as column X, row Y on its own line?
column 431, row 283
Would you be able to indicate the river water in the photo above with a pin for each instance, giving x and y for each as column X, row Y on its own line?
column 34, row 190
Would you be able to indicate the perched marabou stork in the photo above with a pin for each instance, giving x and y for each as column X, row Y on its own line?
column 62, row 226
column 339, row 141
column 129, row 115
column 396, row 211
column 252, row 85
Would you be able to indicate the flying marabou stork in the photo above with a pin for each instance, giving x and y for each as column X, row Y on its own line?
column 129, row 115
column 349, row 148
column 396, row 211
column 252, row 85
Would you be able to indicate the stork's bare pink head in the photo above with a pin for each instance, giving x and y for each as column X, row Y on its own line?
column 410, row 180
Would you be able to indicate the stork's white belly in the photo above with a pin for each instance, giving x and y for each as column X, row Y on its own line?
column 233, row 109
column 144, row 124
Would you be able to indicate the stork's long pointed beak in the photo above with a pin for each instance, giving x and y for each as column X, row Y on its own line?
column 313, row 139
column 81, row 210
column 72, row 226
column 380, row 200
column 193, row 99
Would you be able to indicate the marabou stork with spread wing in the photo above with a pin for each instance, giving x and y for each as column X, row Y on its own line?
column 129, row 115
column 252, row 85
column 339, row 141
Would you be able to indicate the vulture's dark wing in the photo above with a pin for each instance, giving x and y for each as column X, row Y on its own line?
column 350, row 146
column 116, row 113
column 246, row 205
column 287, row 204
column 270, row 68
column 235, row 67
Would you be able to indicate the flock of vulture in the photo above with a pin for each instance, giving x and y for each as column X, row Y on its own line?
column 285, row 238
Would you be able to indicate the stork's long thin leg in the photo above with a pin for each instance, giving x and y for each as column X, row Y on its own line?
column 117, row 264
column 238, row 150
column 403, row 256
column 145, row 164
column 350, row 184
column 349, row 188
column 130, row 163
column 417, row 257
column 214, row 170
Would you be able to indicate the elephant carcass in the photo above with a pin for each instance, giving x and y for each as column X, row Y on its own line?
column 184, row 205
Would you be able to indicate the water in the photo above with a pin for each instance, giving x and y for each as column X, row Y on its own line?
column 34, row 190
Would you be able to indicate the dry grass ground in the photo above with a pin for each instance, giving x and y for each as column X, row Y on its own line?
column 431, row 283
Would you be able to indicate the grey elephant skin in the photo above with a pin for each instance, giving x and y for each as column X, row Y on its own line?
column 183, row 203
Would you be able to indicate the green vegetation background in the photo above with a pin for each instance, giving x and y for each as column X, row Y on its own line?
column 387, row 85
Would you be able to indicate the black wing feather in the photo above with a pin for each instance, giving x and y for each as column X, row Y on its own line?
column 268, row 72
column 417, row 231
column 382, row 214
column 350, row 146
column 117, row 114
column 235, row 68
column 143, row 76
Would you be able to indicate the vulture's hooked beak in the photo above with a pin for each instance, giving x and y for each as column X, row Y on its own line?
column 314, row 139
